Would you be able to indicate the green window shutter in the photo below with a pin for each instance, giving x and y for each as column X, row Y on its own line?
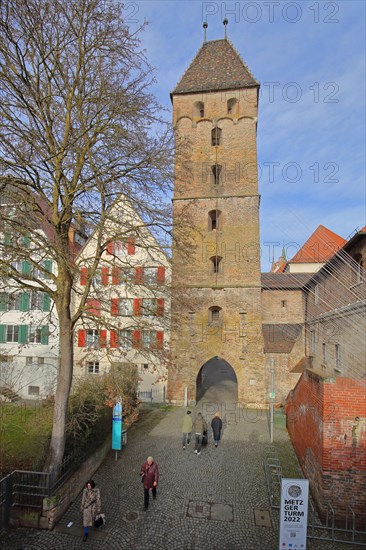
column 48, row 267
column 26, row 242
column 24, row 301
column 26, row 268
column 23, row 334
column 46, row 303
column 3, row 301
column 2, row 333
column 44, row 334
column 7, row 239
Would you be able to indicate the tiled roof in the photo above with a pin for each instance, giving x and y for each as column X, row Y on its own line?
column 283, row 281
column 280, row 338
column 217, row 66
column 319, row 247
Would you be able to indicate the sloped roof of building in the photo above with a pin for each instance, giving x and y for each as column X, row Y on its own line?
column 319, row 247
column 216, row 66
column 281, row 337
column 284, row 281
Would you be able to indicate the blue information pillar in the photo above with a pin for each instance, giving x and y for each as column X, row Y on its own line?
column 117, row 427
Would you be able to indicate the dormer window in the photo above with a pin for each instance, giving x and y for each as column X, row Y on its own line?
column 199, row 109
column 231, row 105
column 216, row 170
column 213, row 220
column 215, row 136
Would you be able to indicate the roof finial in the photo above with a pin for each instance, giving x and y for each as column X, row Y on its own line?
column 205, row 25
column 225, row 21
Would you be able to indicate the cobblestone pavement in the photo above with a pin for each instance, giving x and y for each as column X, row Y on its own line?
column 211, row 501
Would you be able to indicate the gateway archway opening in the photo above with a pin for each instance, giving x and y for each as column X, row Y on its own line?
column 216, row 381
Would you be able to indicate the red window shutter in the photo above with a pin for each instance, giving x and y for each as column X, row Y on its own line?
column 116, row 275
column 159, row 339
column 103, row 339
column 160, row 307
column 93, row 307
column 131, row 245
column 84, row 276
column 115, row 307
column 82, row 338
column 139, row 275
column 110, row 248
column 105, row 275
column 136, row 339
column 161, row 274
column 113, row 339
column 137, row 303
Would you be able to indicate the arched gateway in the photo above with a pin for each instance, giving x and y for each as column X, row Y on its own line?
column 217, row 382
column 216, row 279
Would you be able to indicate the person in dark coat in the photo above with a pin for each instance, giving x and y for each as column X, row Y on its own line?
column 216, row 425
column 90, row 506
column 150, row 477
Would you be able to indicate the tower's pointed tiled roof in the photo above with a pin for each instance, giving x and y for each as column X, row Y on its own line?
column 217, row 66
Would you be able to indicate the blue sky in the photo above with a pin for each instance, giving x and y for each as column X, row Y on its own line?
column 310, row 60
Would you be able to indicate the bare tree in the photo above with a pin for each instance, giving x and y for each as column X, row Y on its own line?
column 78, row 126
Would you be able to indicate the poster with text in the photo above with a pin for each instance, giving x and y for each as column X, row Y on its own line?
column 294, row 514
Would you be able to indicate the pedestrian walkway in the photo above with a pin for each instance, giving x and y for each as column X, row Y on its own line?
column 215, row 501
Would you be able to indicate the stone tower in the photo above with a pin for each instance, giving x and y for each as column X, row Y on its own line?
column 216, row 295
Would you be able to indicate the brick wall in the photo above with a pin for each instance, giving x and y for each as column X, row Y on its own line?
column 326, row 420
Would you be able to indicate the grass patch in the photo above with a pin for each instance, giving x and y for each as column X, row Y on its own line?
column 25, row 432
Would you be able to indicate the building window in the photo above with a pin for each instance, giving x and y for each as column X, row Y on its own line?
column 214, row 314
column 34, row 335
column 231, row 105
column 215, row 136
column 216, row 264
column 149, row 307
column 312, row 342
column 283, row 303
column 337, row 357
column 214, row 220
column 97, row 278
column 14, row 301
column 324, row 353
column 316, row 294
column 150, row 275
column 12, row 333
column 33, row 390
column 93, row 367
column 216, row 171
column 199, row 109
column 125, row 307
column 92, row 338
column 40, row 361
column 29, row 361
column 357, row 269
column 125, row 339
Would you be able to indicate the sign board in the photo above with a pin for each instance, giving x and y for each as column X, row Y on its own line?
column 117, row 427
column 272, row 394
column 293, row 514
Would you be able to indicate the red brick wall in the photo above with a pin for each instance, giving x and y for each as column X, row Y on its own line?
column 326, row 420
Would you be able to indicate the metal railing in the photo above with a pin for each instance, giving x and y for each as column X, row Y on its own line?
column 273, row 472
column 154, row 395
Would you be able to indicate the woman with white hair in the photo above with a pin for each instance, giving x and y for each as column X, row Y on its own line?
column 150, row 476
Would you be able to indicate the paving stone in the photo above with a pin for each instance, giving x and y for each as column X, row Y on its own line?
column 206, row 502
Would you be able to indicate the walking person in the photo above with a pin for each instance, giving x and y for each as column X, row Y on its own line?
column 90, row 506
column 150, row 477
column 199, row 427
column 187, row 429
column 216, row 425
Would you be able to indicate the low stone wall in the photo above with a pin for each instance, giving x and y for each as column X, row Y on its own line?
column 55, row 506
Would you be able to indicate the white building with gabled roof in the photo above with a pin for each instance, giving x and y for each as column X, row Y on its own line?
column 125, row 319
